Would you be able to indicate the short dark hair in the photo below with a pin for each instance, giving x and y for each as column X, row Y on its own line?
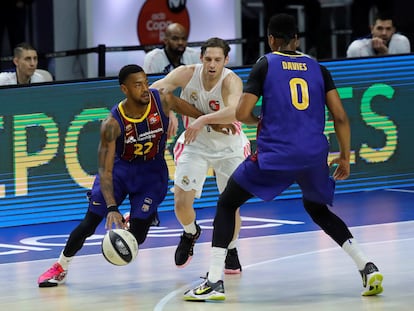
column 126, row 71
column 18, row 49
column 282, row 26
column 216, row 43
column 383, row 15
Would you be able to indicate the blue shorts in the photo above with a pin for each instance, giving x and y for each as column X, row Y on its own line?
column 145, row 183
column 316, row 184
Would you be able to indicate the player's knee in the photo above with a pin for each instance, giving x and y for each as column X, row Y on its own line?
column 89, row 224
column 315, row 210
column 183, row 200
column 140, row 227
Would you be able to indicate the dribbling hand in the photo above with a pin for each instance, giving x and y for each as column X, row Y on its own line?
column 116, row 219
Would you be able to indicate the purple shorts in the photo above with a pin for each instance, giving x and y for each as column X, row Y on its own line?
column 144, row 182
column 316, row 184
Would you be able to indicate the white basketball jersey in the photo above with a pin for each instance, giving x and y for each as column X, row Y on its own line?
column 209, row 102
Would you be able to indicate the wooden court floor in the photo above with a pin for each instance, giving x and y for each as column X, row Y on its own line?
column 293, row 271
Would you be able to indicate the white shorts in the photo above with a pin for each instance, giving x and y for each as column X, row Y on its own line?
column 192, row 166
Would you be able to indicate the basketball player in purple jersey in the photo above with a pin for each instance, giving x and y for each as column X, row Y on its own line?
column 291, row 147
column 131, row 163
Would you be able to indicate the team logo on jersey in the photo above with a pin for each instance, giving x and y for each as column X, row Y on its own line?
column 128, row 129
column 214, row 105
column 154, row 118
column 130, row 140
column 194, row 96
column 185, row 181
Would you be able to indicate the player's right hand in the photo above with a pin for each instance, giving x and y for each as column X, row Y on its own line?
column 226, row 129
column 115, row 218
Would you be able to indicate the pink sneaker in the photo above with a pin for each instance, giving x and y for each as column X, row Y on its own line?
column 53, row 277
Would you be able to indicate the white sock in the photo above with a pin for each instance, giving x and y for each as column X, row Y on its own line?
column 232, row 244
column 191, row 228
column 64, row 261
column 351, row 247
column 218, row 256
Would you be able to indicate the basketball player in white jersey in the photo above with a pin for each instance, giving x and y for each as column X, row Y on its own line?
column 214, row 90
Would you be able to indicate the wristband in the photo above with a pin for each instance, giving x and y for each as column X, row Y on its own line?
column 112, row 208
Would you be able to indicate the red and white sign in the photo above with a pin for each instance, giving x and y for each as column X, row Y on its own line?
column 156, row 15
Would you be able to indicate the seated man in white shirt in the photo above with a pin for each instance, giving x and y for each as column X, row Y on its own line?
column 25, row 60
column 174, row 53
column 383, row 40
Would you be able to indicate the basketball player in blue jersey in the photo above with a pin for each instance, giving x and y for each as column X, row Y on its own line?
column 291, row 147
column 131, row 163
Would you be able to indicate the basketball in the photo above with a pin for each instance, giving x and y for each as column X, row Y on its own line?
column 119, row 247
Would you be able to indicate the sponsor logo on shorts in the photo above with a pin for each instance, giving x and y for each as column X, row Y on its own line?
column 147, row 204
column 145, row 208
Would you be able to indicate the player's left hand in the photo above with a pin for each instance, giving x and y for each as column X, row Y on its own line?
column 193, row 129
column 116, row 219
column 343, row 169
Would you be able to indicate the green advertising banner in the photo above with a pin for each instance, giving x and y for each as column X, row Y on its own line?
column 49, row 136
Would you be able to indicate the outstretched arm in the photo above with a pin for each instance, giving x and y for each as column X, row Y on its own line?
column 223, row 118
column 179, row 77
column 171, row 102
column 232, row 89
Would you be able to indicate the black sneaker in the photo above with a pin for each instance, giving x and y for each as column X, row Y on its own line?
column 232, row 264
column 185, row 248
column 206, row 291
column 371, row 280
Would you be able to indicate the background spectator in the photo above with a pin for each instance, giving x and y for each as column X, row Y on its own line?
column 361, row 12
column 25, row 60
column 383, row 40
column 174, row 53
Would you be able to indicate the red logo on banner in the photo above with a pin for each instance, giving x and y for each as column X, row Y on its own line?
column 156, row 15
